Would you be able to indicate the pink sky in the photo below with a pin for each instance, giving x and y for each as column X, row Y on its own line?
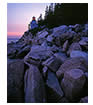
column 19, row 15
column 16, row 29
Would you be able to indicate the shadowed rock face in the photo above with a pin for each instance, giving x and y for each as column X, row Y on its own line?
column 79, row 54
column 22, row 53
column 34, row 86
column 62, row 38
column 37, row 54
column 73, row 83
column 15, row 81
column 74, row 46
column 72, row 63
column 61, row 56
column 65, row 46
column 84, row 100
column 50, row 66
column 54, row 92
column 53, row 63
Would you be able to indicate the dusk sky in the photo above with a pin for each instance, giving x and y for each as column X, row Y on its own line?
column 19, row 16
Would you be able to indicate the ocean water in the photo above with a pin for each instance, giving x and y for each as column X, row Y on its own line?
column 12, row 39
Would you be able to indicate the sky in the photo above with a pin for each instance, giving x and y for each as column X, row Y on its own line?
column 19, row 15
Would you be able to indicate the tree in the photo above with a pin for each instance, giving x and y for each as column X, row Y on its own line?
column 46, row 12
column 40, row 20
column 66, row 13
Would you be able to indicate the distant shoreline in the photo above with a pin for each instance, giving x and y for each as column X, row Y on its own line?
column 12, row 39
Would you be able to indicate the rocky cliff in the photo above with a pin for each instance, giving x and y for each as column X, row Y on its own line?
column 50, row 67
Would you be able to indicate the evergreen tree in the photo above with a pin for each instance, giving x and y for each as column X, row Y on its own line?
column 46, row 12
column 40, row 20
column 65, row 14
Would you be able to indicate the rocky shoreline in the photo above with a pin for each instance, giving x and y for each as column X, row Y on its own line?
column 50, row 67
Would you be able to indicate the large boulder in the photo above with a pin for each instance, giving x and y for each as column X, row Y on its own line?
column 54, row 48
column 85, row 30
column 74, row 46
column 78, row 28
column 72, row 63
column 15, row 81
column 26, row 38
column 65, row 46
column 34, row 86
column 12, row 53
column 57, row 31
column 45, row 72
column 42, row 34
column 73, row 84
column 17, row 50
column 79, row 54
column 50, row 38
column 76, row 38
column 40, row 37
column 52, row 63
column 44, row 44
column 84, row 43
column 12, row 50
column 63, row 100
column 59, row 41
column 84, row 100
column 37, row 54
column 61, row 56
column 54, row 92
column 23, row 52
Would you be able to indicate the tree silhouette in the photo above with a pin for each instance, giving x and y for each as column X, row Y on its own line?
column 57, row 14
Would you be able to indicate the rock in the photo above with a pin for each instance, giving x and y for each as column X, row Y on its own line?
column 53, row 51
column 86, row 74
column 85, row 91
column 79, row 54
column 71, row 26
column 74, row 46
column 77, row 27
column 42, row 34
column 54, row 92
column 50, row 38
column 17, row 50
column 37, row 54
column 62, row 38
column 26, row 38
column 84, row 100
column 54, row 48
column 44, row 44
column 65, row 46
column 45, row 71
column 84, row 39
column 73, row 83
column 63, row 100
column 85, row 31
column 15, row 81
column 61, row 56
column 84, row 43
column 40, row 41
column 34, row 86
column 12, row 50
column 57, row 31
column 23, row 52
column 76, row 38
column 12, row 53
column 72, row 63
column 52, row 63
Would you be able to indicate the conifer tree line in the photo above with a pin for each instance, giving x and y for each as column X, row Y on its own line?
column 57, row 14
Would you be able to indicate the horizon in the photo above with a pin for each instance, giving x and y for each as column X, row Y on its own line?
column 19, row 16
